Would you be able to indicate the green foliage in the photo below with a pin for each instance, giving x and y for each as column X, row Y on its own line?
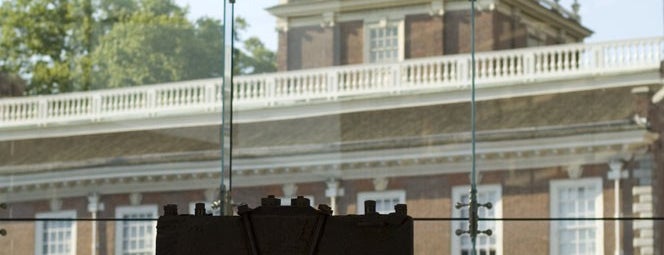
column 73, row 45
column 255, row 58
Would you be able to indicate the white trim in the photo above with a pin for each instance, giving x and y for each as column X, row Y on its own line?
column 39, row 229
column 447, row 159
column 554, row 186
column 120, row 211
column 457, row 192
column 379, row 195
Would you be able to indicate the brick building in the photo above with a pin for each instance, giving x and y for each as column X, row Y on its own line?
column 556, row 124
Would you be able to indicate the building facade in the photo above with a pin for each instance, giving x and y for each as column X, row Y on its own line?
column 381, row 112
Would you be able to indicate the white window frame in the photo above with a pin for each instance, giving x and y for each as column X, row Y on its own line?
column 378, row 195
column 374, row 22
column 39, row 229
column 124, row 210
column 554, row 186
column 457, row 192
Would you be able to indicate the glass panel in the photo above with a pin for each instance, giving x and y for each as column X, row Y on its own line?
column 118, row 106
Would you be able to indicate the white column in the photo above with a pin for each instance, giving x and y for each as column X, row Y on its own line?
column 333, row 191
column 93, row 207
column 616, row 174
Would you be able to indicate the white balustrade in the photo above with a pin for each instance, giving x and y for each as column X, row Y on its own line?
column 497, row 68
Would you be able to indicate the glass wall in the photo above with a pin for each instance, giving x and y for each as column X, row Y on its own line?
column 111, row 109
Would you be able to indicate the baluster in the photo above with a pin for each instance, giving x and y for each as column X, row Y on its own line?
column 357, row 86
column 66, row 109
column 79, row 106
column 17, row 112
column 311, row 86
column 200, row 93
column 500, row 67
column 173, row 97
column 249, row 90
column 513, row 65
column 240, row 90
column 320, row 81
column 280, row 87
column 166, row 97
column 255, row 89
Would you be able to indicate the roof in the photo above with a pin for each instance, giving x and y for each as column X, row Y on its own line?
column 545, row 115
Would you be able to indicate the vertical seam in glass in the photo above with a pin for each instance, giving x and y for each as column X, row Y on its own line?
column 473, row 191
column 222, row 144
column 230, row 125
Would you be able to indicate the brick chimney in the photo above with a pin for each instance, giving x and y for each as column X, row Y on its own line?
column 11, row 85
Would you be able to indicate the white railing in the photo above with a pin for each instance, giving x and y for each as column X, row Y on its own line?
column 497, row 68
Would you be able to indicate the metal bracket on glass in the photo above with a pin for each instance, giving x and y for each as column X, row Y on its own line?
column 473, row 216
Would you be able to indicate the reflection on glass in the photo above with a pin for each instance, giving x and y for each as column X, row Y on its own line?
column 123, row 99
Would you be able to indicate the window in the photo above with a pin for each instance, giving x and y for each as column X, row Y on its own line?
column 208, row 208
column 136, row 237
column 385, row 200
column 287, row 200
column 55, row 237
column 486, row 245
column 384, row 41
column 576, row 199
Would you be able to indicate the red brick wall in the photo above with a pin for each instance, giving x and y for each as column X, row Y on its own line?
column 508, row 33
column 656, row 118
column 457, row 32
column 525, row 193
column 351, row 38
column 282, row 52
column 310, row 47
column 424, row 36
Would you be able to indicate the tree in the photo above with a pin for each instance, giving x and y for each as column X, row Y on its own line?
column 254, row 57
column 73, row 45
column 148, row 46
column 41, row 40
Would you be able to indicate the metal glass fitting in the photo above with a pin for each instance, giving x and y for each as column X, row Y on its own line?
column 473, row 216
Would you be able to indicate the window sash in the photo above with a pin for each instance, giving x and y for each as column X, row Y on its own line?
column 136, row 237
column 55, row 237
column 576, row 199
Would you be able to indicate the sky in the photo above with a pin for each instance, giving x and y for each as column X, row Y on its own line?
column 609, row 19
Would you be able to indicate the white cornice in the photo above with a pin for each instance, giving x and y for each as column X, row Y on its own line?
column 453, row 158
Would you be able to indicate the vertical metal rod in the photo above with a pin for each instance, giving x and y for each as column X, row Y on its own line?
column 222, row 186
column 616, row 188
column 473, row 184
column 230, row 158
